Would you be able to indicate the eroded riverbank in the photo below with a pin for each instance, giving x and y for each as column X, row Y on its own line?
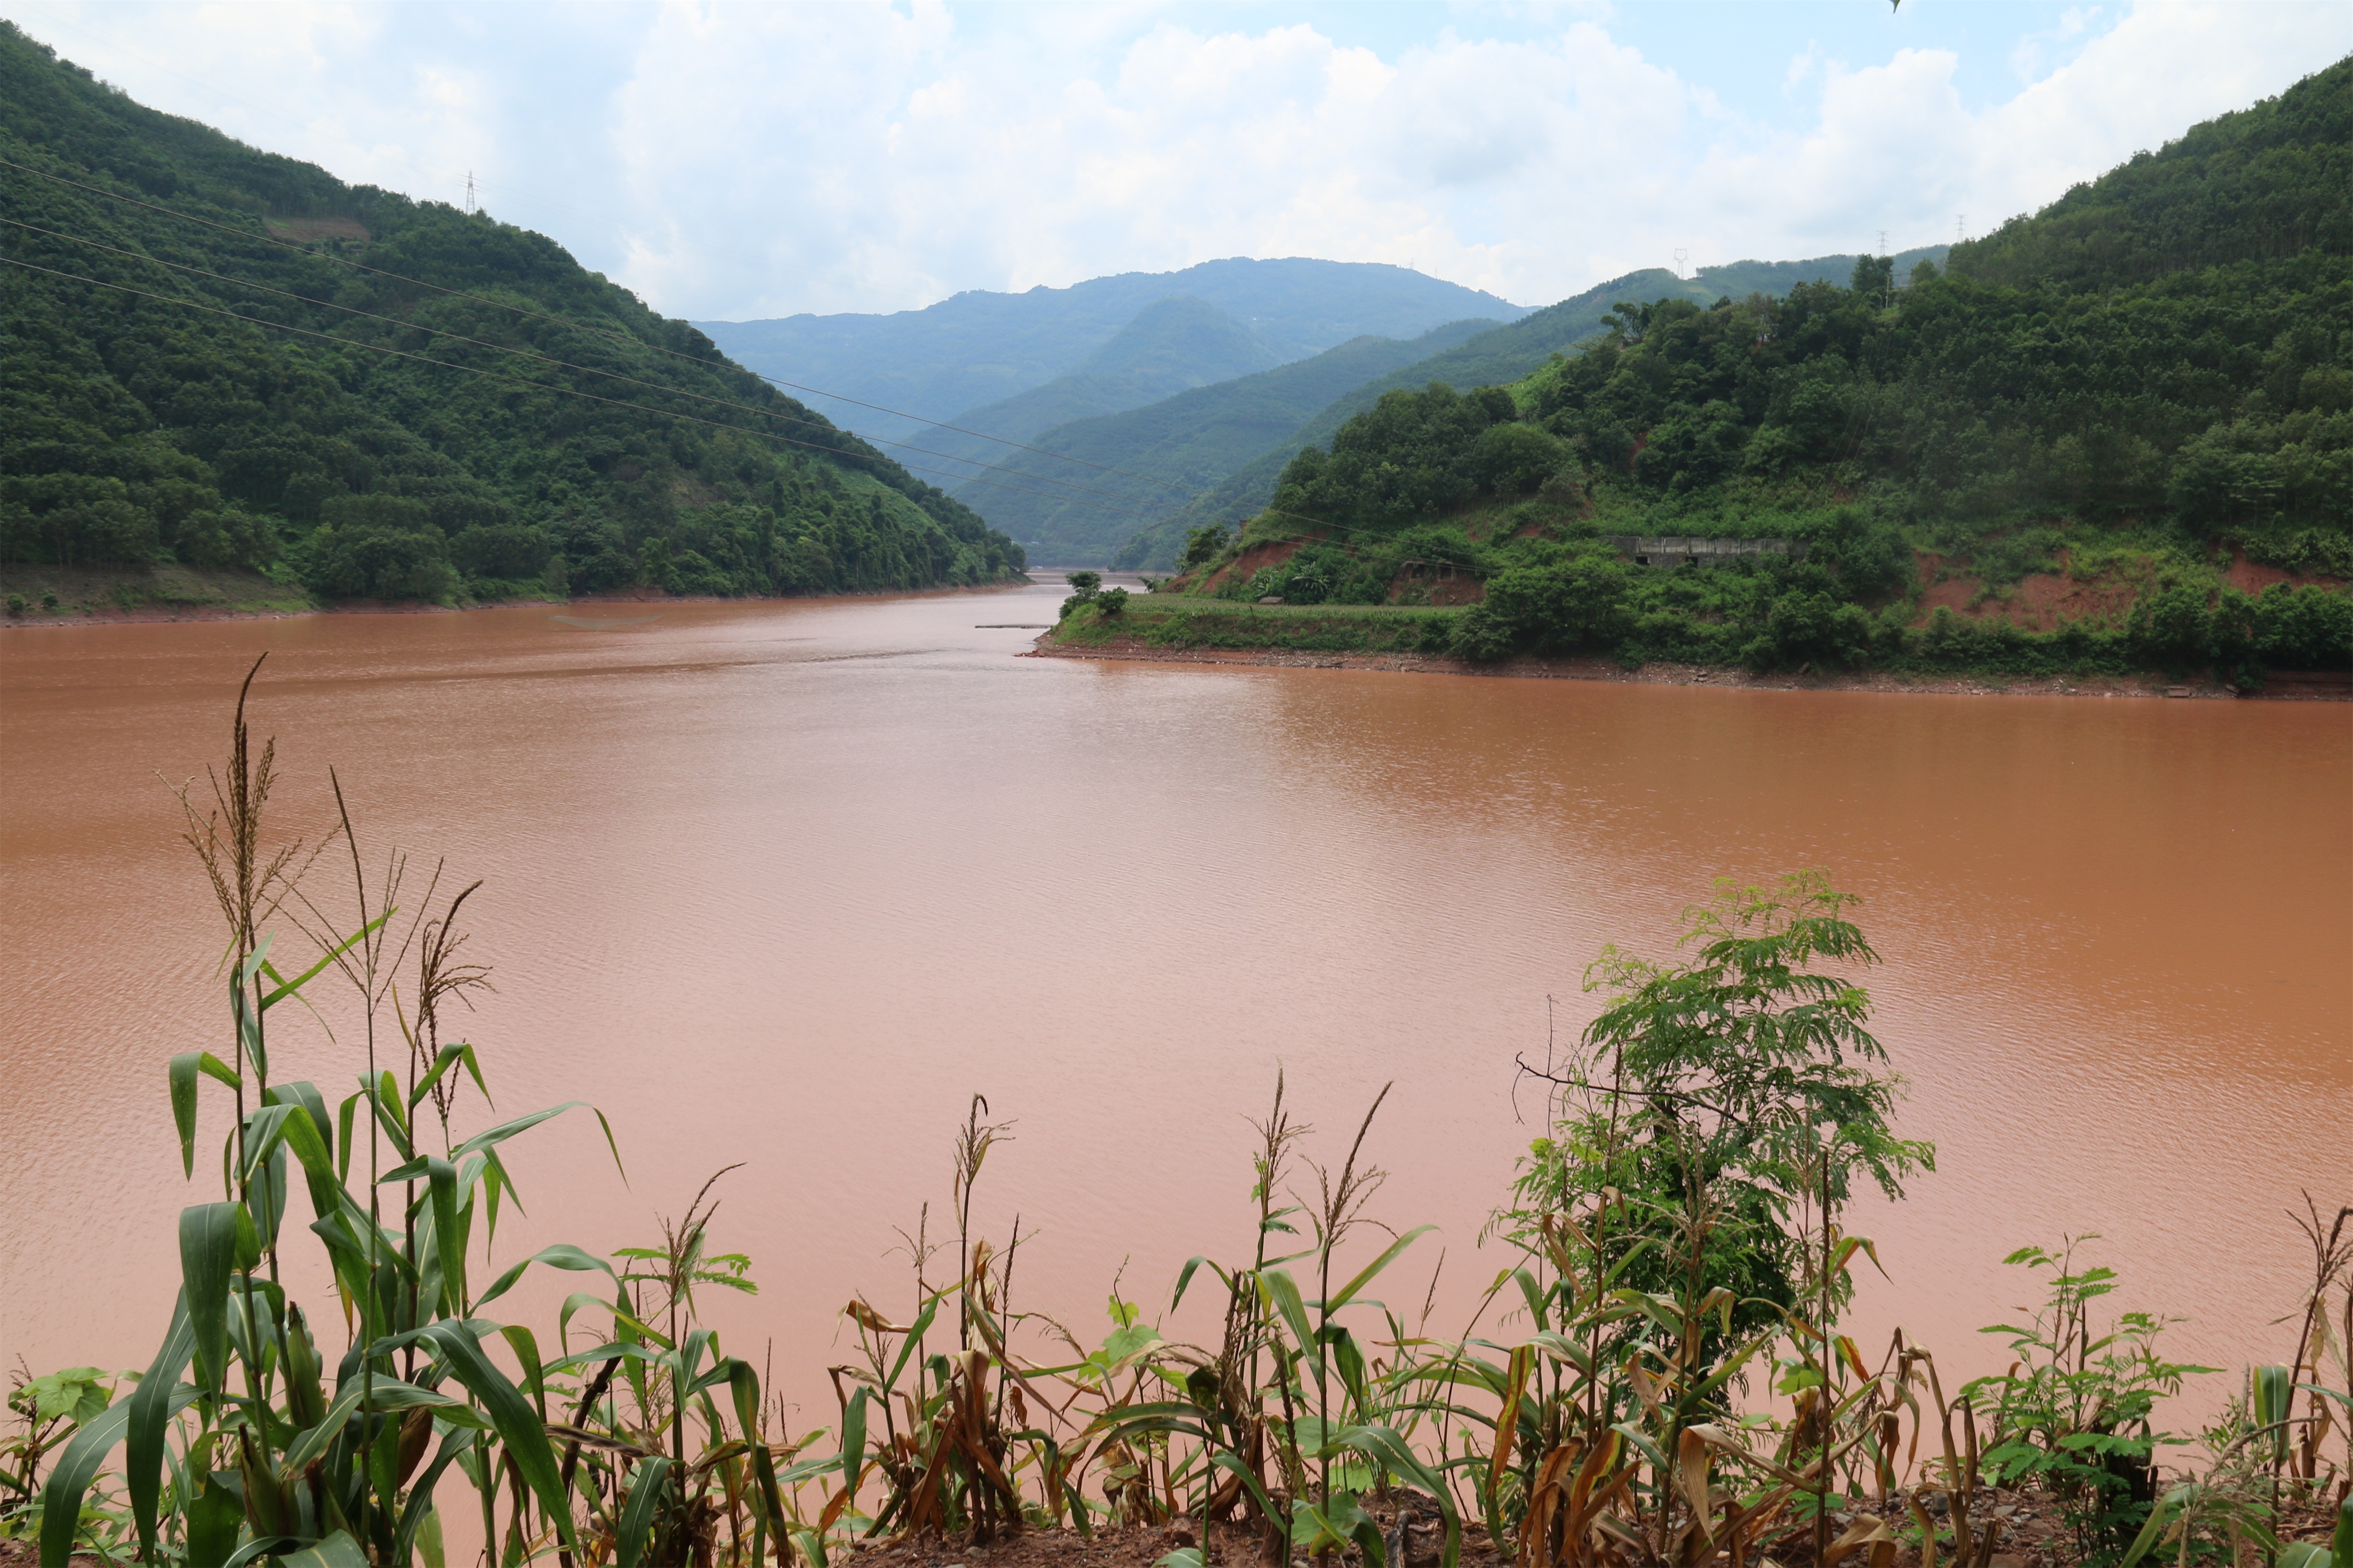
column 98, row 596
column 2291, row 688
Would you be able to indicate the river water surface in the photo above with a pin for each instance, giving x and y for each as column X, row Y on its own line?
column 787, row 883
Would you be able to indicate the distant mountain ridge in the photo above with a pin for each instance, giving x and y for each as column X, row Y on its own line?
column 1178, row 445
column 979, row 349
column 1172, row 346
column 1504, row 354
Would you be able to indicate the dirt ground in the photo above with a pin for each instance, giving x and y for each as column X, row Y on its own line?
column 2040, row 601
column 1143, row 1545
column 2032, row 1536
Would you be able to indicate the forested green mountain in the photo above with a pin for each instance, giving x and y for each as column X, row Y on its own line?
column 377, row 438
column 1172, row 345
column 1184, row 443
column 2126, row 391
column 979, row 348
column 1503, row 353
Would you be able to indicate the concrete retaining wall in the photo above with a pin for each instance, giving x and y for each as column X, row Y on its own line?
column 1668, row 550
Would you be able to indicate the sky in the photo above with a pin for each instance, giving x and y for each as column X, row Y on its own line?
column 734, row 162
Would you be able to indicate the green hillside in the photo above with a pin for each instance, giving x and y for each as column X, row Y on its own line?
column 979, row 348
column 374, row 438
column 1503, row 353
column 1185, row 442
column 1172, row 346
column 2267, row 182
column 2124, row 432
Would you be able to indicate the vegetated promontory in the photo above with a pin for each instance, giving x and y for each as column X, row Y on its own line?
column 2114, row 436
column 410, row 407
column 1491, row 357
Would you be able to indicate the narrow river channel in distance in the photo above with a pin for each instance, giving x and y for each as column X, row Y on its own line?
column 787, row 883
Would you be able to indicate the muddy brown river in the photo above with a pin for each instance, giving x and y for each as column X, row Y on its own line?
column 787, row 884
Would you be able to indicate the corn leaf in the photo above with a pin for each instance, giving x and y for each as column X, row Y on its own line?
column 209, row 1248
column 149, row 1418
column 182, row 1076
column 638, row 1516
column 512, row 1415
column 286, row 988
column 1388, row 1256
column 338, row 1551
column 562, row 1256
column 68, row 1483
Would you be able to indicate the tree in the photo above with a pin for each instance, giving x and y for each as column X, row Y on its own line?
column 1716, row 1111
column 1204, row 544
column 1084, row 586
column 1514, row 458
column 1755, row 1053
column 1564, row 607
column 1875, row 276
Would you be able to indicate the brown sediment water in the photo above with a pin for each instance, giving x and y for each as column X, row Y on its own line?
column 787, row 883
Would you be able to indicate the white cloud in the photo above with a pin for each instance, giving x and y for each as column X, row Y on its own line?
column 2034, row 52
column 742, row 161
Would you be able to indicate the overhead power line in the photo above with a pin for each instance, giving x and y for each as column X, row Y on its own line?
column 634, row 341
column 494, row 375
column 544, row 359
column 602, row 331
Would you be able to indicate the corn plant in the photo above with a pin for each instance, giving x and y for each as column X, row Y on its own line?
column 248, row 1436
column 1323, row 1415
column 2324, row 1336
column 956, row 1437
column 1958, row 1466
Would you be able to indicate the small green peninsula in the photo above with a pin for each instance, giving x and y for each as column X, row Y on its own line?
column 2113, row 438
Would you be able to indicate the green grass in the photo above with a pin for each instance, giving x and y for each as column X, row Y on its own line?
column 1164, row 604
column 1175, row 621
column 83, row 590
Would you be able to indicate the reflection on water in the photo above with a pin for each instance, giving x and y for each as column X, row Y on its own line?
column 787, row 883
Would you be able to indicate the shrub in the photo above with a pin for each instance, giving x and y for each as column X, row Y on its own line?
column 2074, row 1411
column 1204, row 544
column 1111, row 602
column 226, row 536
column 2173, row 629
column 1482, row 634
column 2302, row 628
column 1813, row 628
column 508, row 552
column 692, row 572
column 1571, row 605
column 361, row 559
column 1514, row 458
column 1313, row 576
